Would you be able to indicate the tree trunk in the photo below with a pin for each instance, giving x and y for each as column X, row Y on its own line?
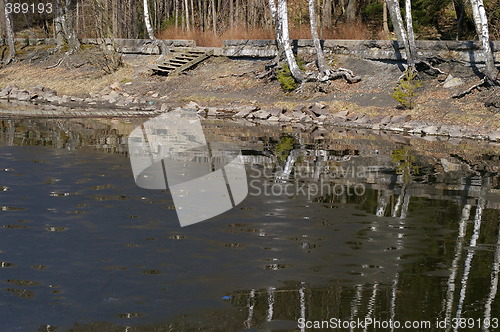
column 284, row 40
column 147, row 21
column 69, row 25
column 481, row 23
column 320, row 56
column 9, row 30
column 384, row 17
column 397, row 22
column 351, row 10
column 411, row 36
column 214, row 17
column 186, row 13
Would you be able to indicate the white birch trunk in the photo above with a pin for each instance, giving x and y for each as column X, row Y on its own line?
column 320, row 56
column 9, row 29
column 186, row 13
column 411, row 36
column 147, row 21
column 282, row 19
column 397, row 22
column 481, row 23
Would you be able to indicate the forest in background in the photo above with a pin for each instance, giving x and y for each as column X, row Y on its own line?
column 208, row 22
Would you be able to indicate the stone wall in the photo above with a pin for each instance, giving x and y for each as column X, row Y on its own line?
column 125, row 46
column 467, row 51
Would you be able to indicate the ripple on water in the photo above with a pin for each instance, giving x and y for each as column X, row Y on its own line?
column 56, row 229
column 23, row 293
column 151, row 271
column 20, row 282
column 129, row 315
column 6, row 264
column 14, row 226
column 11, row 208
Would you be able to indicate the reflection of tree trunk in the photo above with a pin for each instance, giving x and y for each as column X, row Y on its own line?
column 355, row 303
column 371, row 304
column 462, row 228
column 481, row 202
column 270, row 301
column 394, row 289
column 383, row 201
column 302, row 299
column 495, row 269
column 251, row 306
column 287, row 170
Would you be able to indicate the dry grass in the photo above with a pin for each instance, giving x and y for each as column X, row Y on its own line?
column 356, row 31
column 63, row 80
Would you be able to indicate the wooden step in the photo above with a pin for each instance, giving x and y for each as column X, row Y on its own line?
column 181, row 60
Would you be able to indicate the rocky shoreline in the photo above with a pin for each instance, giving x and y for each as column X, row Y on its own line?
column 114, row 102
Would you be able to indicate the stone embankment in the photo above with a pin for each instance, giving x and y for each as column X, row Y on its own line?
column 114, row 102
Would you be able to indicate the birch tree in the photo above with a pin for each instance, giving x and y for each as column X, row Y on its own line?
column 64, row 23
column 147, row 21
column 481, row 24
column 283, row 38
column 397, row 22
column 320, row 56
column 9, row 30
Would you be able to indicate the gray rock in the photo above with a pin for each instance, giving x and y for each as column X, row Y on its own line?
column 494, row 136
column 453, row 82
column 363, row 119
column 430, row 130
column 191, row 104
column 401, row 118
column 245, row 111
column 386, row 120
column 449, row 166
column 273, row 119
column 275, row 111
column 23, row 95
column 262, row 115
column 284, row 118
column 342, row 114
column 319, row 109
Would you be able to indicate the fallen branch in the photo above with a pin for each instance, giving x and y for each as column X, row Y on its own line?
column 56, row 65
column 483, row 82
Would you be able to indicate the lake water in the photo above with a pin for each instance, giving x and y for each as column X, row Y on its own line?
column 365, row 226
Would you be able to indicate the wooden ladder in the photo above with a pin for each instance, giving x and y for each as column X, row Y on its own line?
column 181, row 60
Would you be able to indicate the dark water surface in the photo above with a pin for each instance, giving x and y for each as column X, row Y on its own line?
column 365, row 226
